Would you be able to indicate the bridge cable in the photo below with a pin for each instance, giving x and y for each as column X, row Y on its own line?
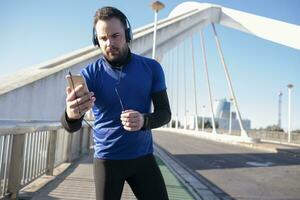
column 184, row 82
column 194, row 83
column 172, row 83
column 168, row 77
column 177, row 91
column 243, row 132
column 208, row 82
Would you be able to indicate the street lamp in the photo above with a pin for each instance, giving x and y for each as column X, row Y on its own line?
column 203, row 111
column 187, row 119
column 230, row 115
column 279, row 109
column 156, row 6
column 290, row 86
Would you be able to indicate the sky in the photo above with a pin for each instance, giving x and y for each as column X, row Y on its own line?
column 35, row 31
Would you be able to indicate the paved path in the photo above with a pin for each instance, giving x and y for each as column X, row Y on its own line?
column 77, row 184
column 235, row 171
column 211, row 170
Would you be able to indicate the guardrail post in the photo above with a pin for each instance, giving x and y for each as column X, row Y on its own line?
column 88, row 140
column 80, row 140
column 51, row 152
column 69, row 147
column 15, row 171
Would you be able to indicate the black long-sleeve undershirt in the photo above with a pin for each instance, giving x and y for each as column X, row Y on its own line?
column 160, row 116
column 162, row 111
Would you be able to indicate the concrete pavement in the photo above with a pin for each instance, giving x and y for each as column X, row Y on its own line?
column 77, row 183
column 267, row 171
column 193, row 170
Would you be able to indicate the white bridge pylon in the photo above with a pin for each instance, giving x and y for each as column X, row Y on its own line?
column 204, row 15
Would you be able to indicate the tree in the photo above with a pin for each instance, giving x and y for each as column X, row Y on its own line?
column 207, row 124
column 274, row 128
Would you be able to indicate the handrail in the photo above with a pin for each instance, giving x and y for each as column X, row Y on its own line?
column 21, row 127
column 33, row 148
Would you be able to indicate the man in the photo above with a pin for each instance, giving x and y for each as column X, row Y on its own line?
column 122, row 86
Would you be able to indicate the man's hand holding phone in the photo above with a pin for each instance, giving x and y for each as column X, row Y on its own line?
column 79, row 100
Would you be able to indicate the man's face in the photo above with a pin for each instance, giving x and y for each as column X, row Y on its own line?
column 111, row 37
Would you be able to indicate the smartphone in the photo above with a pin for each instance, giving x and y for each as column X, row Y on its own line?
column 75, row 80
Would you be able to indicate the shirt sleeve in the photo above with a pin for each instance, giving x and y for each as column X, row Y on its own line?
column 162, row 111
column 158, row 78
column 69, row 124
column 89, row 75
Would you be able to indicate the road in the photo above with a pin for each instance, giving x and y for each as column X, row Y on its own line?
column 240, row 172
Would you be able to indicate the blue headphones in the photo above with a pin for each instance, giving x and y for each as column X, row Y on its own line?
column 128, row 31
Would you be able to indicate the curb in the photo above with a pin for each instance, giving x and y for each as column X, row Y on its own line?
column 197, row 188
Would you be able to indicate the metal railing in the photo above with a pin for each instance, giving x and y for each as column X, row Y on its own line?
column 29, row 150
column 262, row 135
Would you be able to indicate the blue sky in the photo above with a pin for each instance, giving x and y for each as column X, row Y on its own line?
column 35, row 31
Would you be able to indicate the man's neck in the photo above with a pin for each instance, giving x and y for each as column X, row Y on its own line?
column 123, row 61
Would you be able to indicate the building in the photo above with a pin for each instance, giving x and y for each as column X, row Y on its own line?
column 222, row 109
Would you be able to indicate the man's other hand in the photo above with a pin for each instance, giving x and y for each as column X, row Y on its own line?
column 132, row 120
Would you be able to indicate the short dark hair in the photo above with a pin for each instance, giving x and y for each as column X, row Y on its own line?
column 106, row 13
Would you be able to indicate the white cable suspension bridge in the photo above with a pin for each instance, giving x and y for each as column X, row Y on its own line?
column 31, row 104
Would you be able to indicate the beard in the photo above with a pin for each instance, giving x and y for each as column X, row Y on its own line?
column 116, row 55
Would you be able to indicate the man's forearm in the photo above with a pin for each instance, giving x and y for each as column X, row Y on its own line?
column 70, row 125
column 162, row 111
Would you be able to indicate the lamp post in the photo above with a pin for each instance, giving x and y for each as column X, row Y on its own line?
column 187, row 119
column 279, row 109
column 203, row 111
column 230, row 116
column 156, row 6
column 290, row 86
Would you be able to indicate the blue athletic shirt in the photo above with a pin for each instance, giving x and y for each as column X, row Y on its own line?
column 135, row 83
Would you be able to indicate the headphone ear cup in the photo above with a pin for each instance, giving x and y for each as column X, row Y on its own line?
column 128, row 34
column 128, row 30
column 95, row 42
column 95, row 38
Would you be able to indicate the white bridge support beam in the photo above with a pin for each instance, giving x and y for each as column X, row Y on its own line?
column 269, row 29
